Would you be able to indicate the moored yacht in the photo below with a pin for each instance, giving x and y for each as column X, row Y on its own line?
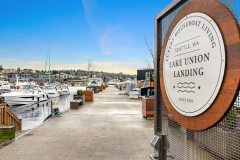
column 113, row 82
column 44, row 96
column 4, row 86
column 51, row 91
column 63, row 90
column 26, row 94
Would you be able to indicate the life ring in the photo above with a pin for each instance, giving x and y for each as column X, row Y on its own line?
column 18, row 87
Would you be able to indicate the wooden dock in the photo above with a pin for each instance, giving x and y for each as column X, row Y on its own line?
column 110, row 127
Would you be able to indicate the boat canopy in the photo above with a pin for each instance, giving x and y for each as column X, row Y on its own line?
column 93, row 82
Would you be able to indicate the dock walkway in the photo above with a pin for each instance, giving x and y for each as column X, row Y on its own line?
column 111, row 127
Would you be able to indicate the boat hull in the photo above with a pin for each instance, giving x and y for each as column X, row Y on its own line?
column 53, row 95
column 43, row 97
column 62, row 92
column 20, row 99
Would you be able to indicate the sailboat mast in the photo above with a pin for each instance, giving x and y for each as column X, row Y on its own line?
column 49, row 61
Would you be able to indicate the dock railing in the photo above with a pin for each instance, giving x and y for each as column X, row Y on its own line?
column 7, row 118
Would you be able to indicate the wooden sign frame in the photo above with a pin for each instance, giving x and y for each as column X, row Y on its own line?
column 229, row 90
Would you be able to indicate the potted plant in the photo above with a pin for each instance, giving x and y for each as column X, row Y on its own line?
column 95, row 89
column 80, row 96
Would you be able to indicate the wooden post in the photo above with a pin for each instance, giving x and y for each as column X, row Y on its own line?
column 5, row 114
column 20, row 124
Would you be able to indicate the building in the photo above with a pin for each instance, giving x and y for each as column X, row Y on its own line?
column 145, row 81
column 9, row 70
column 40, row 75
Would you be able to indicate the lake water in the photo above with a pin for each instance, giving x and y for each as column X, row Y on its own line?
column 33, row 115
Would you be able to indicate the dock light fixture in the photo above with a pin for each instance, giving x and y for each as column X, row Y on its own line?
column 158, row 143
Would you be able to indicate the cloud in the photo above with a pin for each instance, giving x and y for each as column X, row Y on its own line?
column 12, row 59
column 35, row 62
column 89, row 5
column 114, row 67
column 106, row 63
column 94, row 63
column 107, row 52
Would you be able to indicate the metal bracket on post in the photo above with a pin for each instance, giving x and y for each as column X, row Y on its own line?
column 52, row 112
column 158, row 145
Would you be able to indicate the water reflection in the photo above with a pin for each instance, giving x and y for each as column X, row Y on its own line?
column 35, row 114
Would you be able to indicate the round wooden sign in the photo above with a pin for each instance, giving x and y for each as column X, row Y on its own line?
column 199, row 64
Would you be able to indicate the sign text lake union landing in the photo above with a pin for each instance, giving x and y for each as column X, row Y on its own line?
column 194, row 64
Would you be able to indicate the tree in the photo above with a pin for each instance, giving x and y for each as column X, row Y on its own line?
column 124, row 76
column 104, row 79
column 150, row 47
column 147, row 62
column 18, row 69
column 55, row 72
column 90, row 63
column 37, row 71
column 1, row 68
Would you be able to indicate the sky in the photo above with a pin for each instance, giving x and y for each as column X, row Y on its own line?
column 108, row 32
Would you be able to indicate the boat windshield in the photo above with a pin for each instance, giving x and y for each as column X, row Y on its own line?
column 25, row 88
column 58, row 87
column 64, row 87
column 49, row 88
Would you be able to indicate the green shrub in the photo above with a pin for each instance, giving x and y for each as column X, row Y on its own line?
column 95, row 87
column 79, row 92
column 231, row 119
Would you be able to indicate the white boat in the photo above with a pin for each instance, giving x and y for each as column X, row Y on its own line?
column 113, row 82
column 44, row 96
column 63, row 90
column 26, row 94
column 95, row 82
column 51, row 91
column 4, row 86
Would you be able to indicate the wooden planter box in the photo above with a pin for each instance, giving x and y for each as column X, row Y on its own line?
column 104, row 87
column 7, row 132
column 148, row 107
column 89, row 95
column 100, row 88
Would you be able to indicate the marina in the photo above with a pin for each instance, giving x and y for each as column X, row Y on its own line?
column 112, row 120
column 116, row 85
